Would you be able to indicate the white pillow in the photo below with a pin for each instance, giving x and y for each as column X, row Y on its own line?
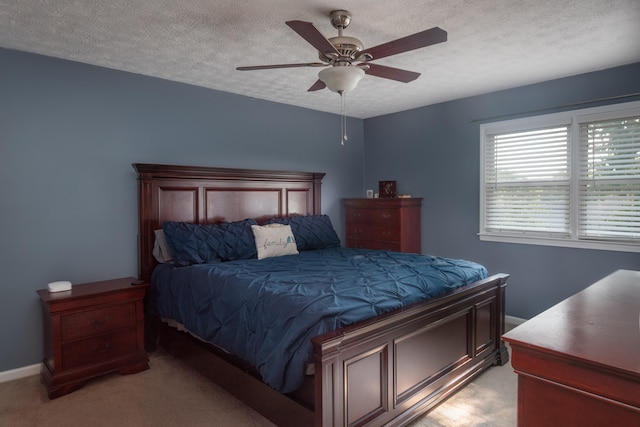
column 161, row 248
column 274, row 240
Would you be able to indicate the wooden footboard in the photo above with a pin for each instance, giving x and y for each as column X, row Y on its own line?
column 392, row 369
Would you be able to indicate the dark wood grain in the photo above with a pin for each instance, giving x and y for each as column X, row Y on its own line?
column 310, row 33
column 414, row 41
column 384, row 224
column 93, row 329
column 392, row 73
column 205, row 195
column 579, row 362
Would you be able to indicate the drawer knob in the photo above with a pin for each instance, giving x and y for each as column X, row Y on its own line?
column 102, row 349
column 97, row 322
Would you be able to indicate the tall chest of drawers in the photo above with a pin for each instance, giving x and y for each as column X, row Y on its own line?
column 387, row 224
column 91, row 330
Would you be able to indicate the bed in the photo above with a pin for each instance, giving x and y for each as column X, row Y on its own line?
column 387, row 369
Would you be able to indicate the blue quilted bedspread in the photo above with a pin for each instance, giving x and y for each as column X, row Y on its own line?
column 265, row 311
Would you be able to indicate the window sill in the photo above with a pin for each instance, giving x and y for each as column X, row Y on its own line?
column 580, row 244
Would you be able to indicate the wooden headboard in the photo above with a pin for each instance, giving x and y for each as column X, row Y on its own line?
column 205, row 195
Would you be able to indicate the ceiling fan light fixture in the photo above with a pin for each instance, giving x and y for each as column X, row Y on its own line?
column 341, row 78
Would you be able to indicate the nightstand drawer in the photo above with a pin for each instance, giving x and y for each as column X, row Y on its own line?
column 99, row 349
column 88, row 323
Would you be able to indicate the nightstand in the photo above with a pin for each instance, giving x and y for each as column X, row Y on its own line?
column 93, row 329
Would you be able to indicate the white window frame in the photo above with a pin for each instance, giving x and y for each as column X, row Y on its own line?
column 573, row 119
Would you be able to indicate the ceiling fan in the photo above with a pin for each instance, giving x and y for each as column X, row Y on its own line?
column 347, row 59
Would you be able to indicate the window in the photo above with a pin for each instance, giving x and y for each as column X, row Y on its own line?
column 565, row 179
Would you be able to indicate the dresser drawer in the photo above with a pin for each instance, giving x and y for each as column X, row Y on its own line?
column 373, row 244
column 373, row 232
column 99, row 349
column 373, row 216
column 87, row 323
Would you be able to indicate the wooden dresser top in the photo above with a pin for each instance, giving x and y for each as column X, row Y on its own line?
column 116, row 289
column 599, row 325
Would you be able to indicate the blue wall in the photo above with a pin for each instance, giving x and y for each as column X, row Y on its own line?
column 69, row 133
column 68, row 196
column 434, row 152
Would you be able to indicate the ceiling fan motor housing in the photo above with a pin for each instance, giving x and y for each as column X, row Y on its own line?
column 348, row 47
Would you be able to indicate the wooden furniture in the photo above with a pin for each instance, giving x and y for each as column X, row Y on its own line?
column 578, row 363
column 387, row 224
column 93, row 329
column 388, row 369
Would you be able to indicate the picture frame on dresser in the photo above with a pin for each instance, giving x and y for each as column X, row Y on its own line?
column 387, row 189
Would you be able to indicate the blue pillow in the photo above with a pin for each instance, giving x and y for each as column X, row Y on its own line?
column 311, row 231
column 200, row 243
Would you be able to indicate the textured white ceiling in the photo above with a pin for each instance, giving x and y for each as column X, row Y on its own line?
column 492, row 44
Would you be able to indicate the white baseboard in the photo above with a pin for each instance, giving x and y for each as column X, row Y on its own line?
column 512, row 320
column 18, row 373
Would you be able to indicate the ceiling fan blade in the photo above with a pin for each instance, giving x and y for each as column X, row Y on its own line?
column 268, row 67
column 310, row 33
column 318, row 85
column 397, row 74
column 415, row 41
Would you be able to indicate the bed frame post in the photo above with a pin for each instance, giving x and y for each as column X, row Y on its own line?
column 503, row 352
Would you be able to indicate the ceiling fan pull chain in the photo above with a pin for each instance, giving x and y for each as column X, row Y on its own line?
column 343, row 110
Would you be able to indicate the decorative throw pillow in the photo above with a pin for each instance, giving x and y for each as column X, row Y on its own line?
column 311, row 231
column 274, row 240
column 200, row 243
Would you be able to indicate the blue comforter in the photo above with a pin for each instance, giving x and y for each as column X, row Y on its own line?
column 266, row 311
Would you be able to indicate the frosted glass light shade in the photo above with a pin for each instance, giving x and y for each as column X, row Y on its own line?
column 341, row 78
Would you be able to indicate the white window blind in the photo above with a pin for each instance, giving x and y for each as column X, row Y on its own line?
column 565, row 179
column 527, row 180
column 610, row 179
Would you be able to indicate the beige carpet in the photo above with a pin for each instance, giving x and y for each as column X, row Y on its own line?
column 491, row 400
column 172, row 394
